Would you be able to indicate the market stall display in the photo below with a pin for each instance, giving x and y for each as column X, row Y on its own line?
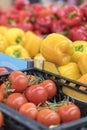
column 55, row 104
column 54, row 38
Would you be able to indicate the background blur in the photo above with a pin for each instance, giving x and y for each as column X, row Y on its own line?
column 7, row 3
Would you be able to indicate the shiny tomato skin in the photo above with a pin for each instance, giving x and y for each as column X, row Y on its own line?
column 36, row 94
column 51, row 87
column 1, row 119
column 3, row 70
column 14, row 73
column 48, row 117
column 69, row 112
column 15, row 100
column 1, row 96
column 19, row 81
column 3, row 89
column 29, row 110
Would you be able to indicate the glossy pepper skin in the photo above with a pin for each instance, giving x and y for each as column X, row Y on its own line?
column 14, row 36
column 3, row 30
column 70, row 70
column 78, row 33
column 71, row 15
column 58, row 26
column 32, row 43
column 3, row 43
column 83, row 8
column 79, row 48
column 17, row 51
column 82, row 63
column 57, row 49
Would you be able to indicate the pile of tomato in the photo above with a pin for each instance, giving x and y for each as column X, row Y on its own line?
column 32, row 96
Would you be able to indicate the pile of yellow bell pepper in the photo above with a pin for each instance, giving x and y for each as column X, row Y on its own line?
column 69, row 57
column 17, row 43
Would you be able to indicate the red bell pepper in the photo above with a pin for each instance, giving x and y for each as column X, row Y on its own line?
column 24, row 16
column 58, row 26
column 83, row 7
column 71, row 15
column 42, row 30
column 54, row 8
column 21, row 4
column 78, row 33
column 25, row 26
column 13, row 13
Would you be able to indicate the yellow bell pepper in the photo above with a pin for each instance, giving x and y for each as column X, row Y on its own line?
column 70, row 70
column 32, row 43
column 57, row 48
column 82, row 63
column 17, row 51
column 79, row 48
column 3, row 30
column 3, row 43
column 15, row 36
column 83, row 79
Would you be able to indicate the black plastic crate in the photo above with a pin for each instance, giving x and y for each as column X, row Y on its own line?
column 15, row 121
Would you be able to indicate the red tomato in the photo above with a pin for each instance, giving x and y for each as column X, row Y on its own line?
column 69, row 112
column 15, row 73
column 29, row 110
column 19, row 81
column 3, row 70
column 48, row 117
column 1, row 119
column 15, row 100
column 1, row 96
column 5, row 89
column 50, row 87
column 36, row 94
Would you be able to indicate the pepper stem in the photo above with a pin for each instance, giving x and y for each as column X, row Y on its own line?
column 79, row 48
column 72, row 14
column 19, row 40
column 65, row 32
column 17, row 53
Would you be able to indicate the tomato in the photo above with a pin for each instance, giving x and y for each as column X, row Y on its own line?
column 19, row 81
column 1, row 119
column 48, row 117
column 29, row 110
column 3, row 70
column 15, row 73
column 36, row 94
column 69, row 112
column 5, row 88
column 1, row 96
column 50, row 87
column 15, row 100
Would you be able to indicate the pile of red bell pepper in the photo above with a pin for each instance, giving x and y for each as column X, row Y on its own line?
column 69, row 20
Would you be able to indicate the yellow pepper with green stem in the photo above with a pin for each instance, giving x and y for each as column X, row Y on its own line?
column 15, row 36
column 57, row 49
column 70, row 70
column 17, row 51
column 79, row 48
